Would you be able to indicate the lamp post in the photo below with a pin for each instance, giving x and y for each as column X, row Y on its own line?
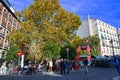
column 118, row 34
column 19, row 55
column 67, row 49
column 111, row 41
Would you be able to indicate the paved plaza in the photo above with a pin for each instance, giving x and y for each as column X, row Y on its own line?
column 95, row 73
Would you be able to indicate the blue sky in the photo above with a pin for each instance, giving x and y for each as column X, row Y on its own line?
column 106, row 10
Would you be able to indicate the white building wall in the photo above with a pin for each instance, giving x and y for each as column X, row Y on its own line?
column 83, row 31
column 105, row 32
column 93, row 26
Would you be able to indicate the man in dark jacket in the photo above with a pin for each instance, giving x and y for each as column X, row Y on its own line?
column 62, row 66
column 117, row 63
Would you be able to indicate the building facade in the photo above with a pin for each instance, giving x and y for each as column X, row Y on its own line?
column 118, row 30
column 8, row 22
column 107, row 34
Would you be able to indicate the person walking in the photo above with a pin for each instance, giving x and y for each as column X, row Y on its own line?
column 51, row 65
column 62, row 66
column 86, row 66
column 117, row 63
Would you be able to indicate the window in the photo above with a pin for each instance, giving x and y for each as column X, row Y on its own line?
column 5, row 10
column 1, row 30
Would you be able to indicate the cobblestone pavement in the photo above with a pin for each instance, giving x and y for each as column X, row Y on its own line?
column 93, row 74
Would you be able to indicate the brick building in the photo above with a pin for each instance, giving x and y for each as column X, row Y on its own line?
column 8, row 22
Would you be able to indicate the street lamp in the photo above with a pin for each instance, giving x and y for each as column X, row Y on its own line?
column 111, row 41
column 19, row 55
column 67, row 49
column 19, row 61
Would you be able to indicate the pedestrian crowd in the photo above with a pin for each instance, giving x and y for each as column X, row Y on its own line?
column 64, row 66
column 61, row 66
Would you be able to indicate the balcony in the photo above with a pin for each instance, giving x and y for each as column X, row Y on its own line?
column 14, row 23
column 6, row 46
column 1, row 45
column 1, row 35
column 5, row 15
column 103, row 44
column 100, row 29
column 9, row 27
column 10, row 20
column 4, row 23
column 0, row 11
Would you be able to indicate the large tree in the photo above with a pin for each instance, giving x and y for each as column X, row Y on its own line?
column 12, row 54
column 94, row 43
column 43, row 21
column 51, row 50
